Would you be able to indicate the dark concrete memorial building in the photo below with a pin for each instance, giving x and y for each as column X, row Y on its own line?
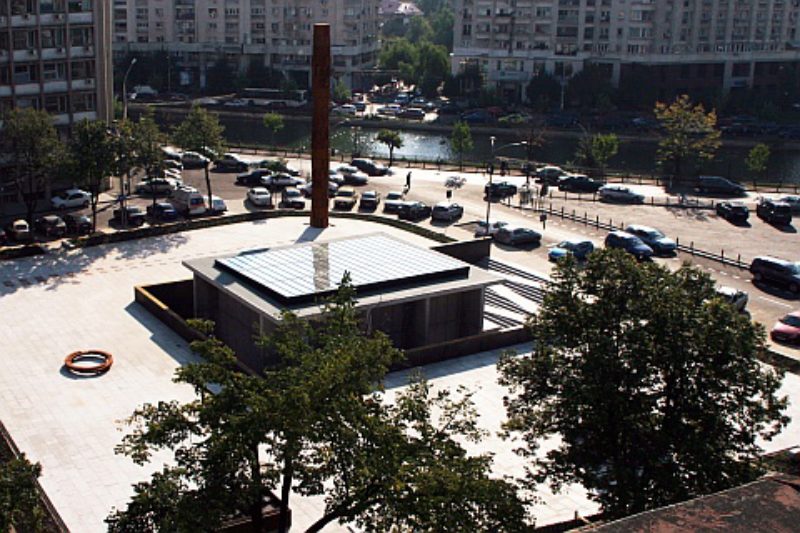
column 417, row 296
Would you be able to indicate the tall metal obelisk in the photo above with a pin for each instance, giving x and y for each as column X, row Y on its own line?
column 320, row 126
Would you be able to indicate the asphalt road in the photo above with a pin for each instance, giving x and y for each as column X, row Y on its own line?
column 698, row 226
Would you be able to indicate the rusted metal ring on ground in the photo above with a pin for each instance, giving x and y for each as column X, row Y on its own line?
column 73, row 360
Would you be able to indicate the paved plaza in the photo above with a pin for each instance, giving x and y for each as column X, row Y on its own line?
column 62, row 302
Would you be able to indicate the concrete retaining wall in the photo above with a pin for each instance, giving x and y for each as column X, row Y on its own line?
column 471, row 252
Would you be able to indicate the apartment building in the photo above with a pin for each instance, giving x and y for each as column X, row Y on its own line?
column 196, row 33
column 679, row 44
column 55, row 55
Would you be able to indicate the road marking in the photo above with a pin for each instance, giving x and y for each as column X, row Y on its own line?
column 776, row 302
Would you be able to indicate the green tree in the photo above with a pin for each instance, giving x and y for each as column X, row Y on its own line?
column 31, row 142
column 325, row 429
column 758, row 159
column 274, row 123
column 341, row 93
column 201, row 132
column 590, row 88
column 432, row 68
column 259, row 75
column 461, row 141
column 636, row 87
column 689, row 134
column 543, row 91
column 396, row 52
column 138, row 148
column 392, row 140
column 596, row 150
column 92, row 159
column 220, row 77
column 442, row 23
column 418, row 29
column 649, row 379
column 20, row 503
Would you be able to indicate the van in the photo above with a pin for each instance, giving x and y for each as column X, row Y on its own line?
column 778, row 271
column 189, row 201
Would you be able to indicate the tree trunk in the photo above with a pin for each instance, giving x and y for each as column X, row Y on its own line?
column 391, row 155
column 95, row 197
column 208, row 186
column 286, row 488
column 30, row 200
column 257, row 506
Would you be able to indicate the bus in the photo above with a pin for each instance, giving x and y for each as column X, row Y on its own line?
column 274, row 98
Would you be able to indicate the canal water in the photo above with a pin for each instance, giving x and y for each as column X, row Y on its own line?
column 634, row 157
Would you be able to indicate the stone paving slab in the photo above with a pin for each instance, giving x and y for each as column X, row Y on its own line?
column 71, row 425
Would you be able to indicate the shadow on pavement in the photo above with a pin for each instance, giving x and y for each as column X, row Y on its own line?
column 161, row 335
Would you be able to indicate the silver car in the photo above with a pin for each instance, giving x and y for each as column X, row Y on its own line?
column 515, row 235
column 619, row 193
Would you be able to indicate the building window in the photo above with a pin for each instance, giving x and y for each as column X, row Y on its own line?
column 82, row 70
column 52, row 37
column 26, row 73
column 56, row 103
column 80, row 6
column 741, row 70
column 24, row 39
column 23, row 7
column 54, row 71
column 82, row 102
column 51, row 6
column 81, row 36
column 28, row 102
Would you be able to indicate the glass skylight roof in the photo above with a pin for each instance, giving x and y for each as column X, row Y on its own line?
column 306, row 271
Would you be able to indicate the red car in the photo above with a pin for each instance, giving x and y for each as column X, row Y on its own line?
column 787, row 329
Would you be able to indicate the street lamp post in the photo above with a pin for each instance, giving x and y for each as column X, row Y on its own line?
column 490, row 169
column 125, row 90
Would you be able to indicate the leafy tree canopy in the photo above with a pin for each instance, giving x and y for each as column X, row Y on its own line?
column 690, row 134
column 649, row 379
column 92, row 158
column 757, row 159
column 543, row 91
column 20, row 504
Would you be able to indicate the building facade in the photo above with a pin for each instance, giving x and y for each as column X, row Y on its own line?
column 730, row 44
column 55, row 55
column 278, row 33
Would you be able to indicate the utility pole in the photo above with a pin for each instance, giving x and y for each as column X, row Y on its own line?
column 320, row 125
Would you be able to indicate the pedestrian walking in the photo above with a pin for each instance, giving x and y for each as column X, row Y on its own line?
column 408, row 181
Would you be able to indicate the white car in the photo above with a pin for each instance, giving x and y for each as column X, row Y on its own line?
column 619, row 193
column 309, row 185
column 218, row 205
column 335, row 177
column 346, row 109
column 390, row 109
column 259, row 196
column 70, row 199
column 489, row 230
column 281, row 179
column 550, row 173
column 237, row 102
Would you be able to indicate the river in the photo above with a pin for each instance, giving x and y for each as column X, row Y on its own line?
column 634, row 156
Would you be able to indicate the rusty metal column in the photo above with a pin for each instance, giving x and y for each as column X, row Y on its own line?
column 320, row 127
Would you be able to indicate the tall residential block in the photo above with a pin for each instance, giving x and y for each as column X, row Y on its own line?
column 679, row 44
column 55, row 55
column 277, row 33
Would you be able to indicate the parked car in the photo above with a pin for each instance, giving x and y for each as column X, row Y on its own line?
column 360, row 106
column 793, row 201
column 489, row 230
column 292, row 198
column 653, row 238
column 71, row 198
column 162, row 211
column 346, row 109
column 393, row 201
column 477, row 116
column 157, row 186
column 578, row 248
column 447, row 211
column 619, row 193
column 78, row 224
column 389, row 109
column 369, row 167
column 412, row 113
column 774, row 212
column 787, row 329
column 370, row 200
column 259, row 196
column 736, row 298
column 188, row 201
column 231, row 163
column 135, row 215
column 719, row 185
column 194, row 160
column 345, row 198
column 630, row 243
column 218, row 205
column 513, row 235
column 355, row 178
column 19, row 231
column 308, row 187
column 171, row 153
column 253, row 177
column 277, row 165
column 735, row 212
column 50, row 226
column 778, row 271
column 173, row 164
column 550, row 174
column 335, row 177
column 578, row 183
column 281, row 179
column 414, row 211
column 499, row 189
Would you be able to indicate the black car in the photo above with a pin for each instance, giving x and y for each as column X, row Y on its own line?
column 719, row 185
column 231, row 163
column 735, row 212
column 413, row 211
column 50, row 226
column 162, row 211
column 77, row 223
column 135, row 215
column 578, row 183
column 252, row 178
column 630, row 243
column 499, row 189
column 779, row 271
column 369, row 167
column 773, row 212
column 370, row 200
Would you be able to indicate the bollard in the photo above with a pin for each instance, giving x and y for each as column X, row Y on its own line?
column 597, row 221
column 585, row 218
column 722, row 255
column 677, row 242
column 738, row 259
column 562, row 211
column 573, row 214
column 691, row 247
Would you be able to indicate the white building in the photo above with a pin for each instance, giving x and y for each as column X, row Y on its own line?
column 687, row 43
column 278, row 32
